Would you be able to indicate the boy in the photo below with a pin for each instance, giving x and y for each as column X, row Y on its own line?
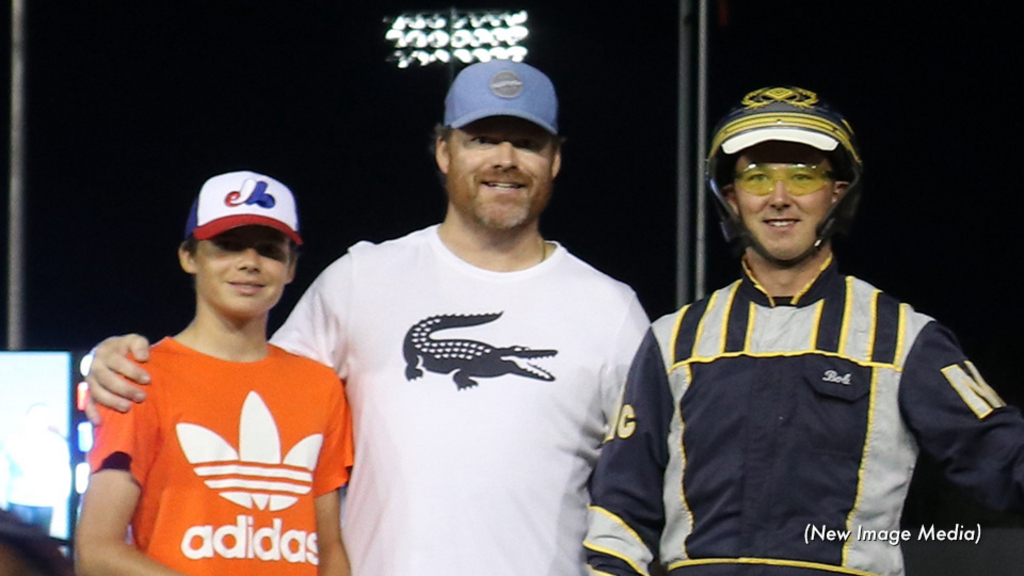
column 243, row 477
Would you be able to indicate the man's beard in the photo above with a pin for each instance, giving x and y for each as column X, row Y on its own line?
column 497, row 213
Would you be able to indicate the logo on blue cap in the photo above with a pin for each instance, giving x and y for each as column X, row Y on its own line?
column 506, row 84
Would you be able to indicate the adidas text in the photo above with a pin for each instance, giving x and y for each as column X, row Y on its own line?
column 244, row 540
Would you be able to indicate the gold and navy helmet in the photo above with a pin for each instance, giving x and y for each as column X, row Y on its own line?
column 789, row 114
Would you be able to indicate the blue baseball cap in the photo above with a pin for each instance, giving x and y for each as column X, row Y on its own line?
column 501, row 88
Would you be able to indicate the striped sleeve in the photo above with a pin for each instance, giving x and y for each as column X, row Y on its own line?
column 627, row 514
column 960, row 421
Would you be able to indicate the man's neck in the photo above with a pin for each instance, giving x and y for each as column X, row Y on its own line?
column 786, row 281
column 494, row 250
column 226, row 338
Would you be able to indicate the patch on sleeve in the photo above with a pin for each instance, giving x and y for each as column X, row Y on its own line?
column 973, row 389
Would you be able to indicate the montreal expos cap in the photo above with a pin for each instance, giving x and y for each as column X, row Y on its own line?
column 501, row 88
column 242, row 198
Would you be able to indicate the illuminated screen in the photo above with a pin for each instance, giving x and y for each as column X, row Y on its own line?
column 35, row 438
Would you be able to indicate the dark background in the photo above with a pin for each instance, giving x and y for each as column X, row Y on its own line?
column 132, row 105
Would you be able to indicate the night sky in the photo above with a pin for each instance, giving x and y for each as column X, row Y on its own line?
column 132, row 105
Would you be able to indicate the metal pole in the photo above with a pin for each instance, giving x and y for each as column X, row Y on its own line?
column 684, row 156
column 700, row 226
column 15, row 244
column 452, row 15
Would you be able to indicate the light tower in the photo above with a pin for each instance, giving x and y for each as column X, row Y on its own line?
column 466, row 36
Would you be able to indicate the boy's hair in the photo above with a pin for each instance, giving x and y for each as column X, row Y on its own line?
column 191, row 244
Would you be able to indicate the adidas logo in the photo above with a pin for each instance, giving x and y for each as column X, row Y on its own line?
column 254, row 475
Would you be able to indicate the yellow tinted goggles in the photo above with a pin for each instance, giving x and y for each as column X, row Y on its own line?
column 799, row 179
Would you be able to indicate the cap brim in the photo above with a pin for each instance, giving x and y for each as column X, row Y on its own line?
column 750, row 138
column 220, row 225
column 481, row 114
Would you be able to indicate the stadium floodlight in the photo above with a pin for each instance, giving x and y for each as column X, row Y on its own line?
column 423, row 38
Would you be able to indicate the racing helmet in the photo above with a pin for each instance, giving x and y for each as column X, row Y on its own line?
column 789, row 114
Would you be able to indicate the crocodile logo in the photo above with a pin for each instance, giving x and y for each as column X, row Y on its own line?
column 466, row 360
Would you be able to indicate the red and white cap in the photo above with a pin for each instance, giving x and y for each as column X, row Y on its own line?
column 242, row 198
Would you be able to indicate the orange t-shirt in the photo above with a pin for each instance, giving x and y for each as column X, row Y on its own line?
column 230, row 457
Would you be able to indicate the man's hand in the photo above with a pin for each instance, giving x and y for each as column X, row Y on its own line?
column 112, row 375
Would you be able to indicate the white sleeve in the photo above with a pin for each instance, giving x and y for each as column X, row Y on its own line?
column 631, row 332
column 318, row 326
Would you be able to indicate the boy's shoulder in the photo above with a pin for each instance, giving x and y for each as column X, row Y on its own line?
column 170, row 354
column 299, row 363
